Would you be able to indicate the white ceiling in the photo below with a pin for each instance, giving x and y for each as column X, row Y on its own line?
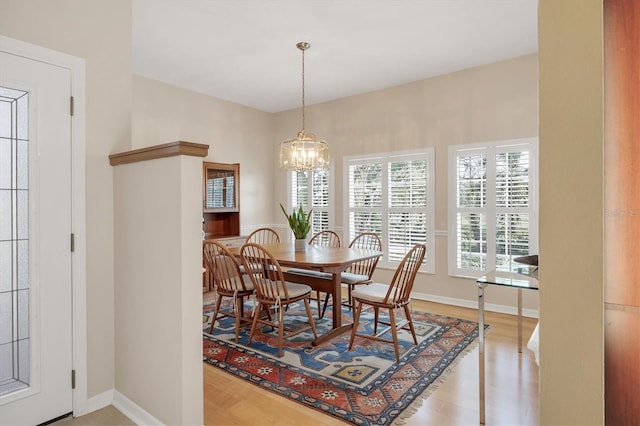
column 244, row 51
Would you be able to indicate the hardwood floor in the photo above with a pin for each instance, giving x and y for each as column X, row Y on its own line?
column 511, row 386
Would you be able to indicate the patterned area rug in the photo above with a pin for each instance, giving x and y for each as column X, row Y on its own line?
column 365, row 386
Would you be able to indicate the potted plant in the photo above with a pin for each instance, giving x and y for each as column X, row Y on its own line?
column 300, row 224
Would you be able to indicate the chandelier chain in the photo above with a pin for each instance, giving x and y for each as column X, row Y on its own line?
column 303, row 104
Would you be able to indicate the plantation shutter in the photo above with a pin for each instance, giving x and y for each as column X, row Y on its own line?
column 392, row 196
column 471, row 220
column 311, row 191
column 407, row 217
column 320, row 200
column 494, row 213
column 229, row 188
column 299, row 190
column 512, row 206
column 365, row 198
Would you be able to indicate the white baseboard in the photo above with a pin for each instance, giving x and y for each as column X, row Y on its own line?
column 126, row 406
column 492, row 307
column 132, row 410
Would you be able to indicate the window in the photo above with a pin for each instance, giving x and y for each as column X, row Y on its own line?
column 393, row 196
column 312, row 190
column 492, row 205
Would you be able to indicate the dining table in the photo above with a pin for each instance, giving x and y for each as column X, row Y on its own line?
column 329, row 260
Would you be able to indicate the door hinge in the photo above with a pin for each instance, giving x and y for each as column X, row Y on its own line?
column 73, row 243
column 73, row 379
column 71, row 109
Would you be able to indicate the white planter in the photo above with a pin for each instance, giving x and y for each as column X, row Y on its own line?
column 301, row 244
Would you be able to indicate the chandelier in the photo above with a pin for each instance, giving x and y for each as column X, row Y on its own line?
column 304, row 152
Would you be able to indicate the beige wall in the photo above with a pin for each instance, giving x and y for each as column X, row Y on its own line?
column 571, row 213
column 99, row 32
column 235, row 134
column 488, row 103
column 158, row 341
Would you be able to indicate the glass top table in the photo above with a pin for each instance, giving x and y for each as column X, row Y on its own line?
column 525, row 277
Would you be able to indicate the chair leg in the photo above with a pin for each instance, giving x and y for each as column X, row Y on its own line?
column 407, row 312
column 375, row 320
column 255, row 321
column 280, row 330
column 324, row 307
column 238, row 316
column 354, row 327
column 394, row 333
column 350, row 287
column 215, row 313
column 311, row 322
column 268, row 313
column 319, row 304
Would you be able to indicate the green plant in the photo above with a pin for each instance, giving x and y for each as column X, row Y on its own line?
column 299, row 222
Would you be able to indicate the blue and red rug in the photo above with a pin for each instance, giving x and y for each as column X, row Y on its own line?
column 365, row 386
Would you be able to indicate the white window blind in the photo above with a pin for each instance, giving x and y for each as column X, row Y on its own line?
column 392, row 195
column 492, row 205
column 312, row 190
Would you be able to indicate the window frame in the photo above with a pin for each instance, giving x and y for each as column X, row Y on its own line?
column 427, row 154
column 490, row 209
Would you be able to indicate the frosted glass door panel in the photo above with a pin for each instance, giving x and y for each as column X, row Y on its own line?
column 14, row 241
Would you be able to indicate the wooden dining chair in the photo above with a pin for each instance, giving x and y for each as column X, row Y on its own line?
column 229, row 282
column 263, row 236
column 272, row 291
column 361, row 272
column 390, row 297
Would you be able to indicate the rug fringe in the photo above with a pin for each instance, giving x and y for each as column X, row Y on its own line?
column 419, row 401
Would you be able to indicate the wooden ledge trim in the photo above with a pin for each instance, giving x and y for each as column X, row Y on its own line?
column 170, row 149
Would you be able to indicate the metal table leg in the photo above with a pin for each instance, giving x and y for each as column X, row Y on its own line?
column 481, row 347
column 519, row 320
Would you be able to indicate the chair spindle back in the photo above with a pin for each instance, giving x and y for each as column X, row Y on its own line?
column 365, row 241
column 266, row 274
column 325, row 238
column 224, row 266
column 263, row 236
column 400, row 288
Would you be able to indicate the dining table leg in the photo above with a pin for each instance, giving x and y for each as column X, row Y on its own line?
column 337, row 328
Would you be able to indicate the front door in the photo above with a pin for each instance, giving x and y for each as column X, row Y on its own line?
column 35, row 233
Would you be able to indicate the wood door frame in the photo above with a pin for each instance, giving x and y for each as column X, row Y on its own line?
column 622, row 204
column 76, row 67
